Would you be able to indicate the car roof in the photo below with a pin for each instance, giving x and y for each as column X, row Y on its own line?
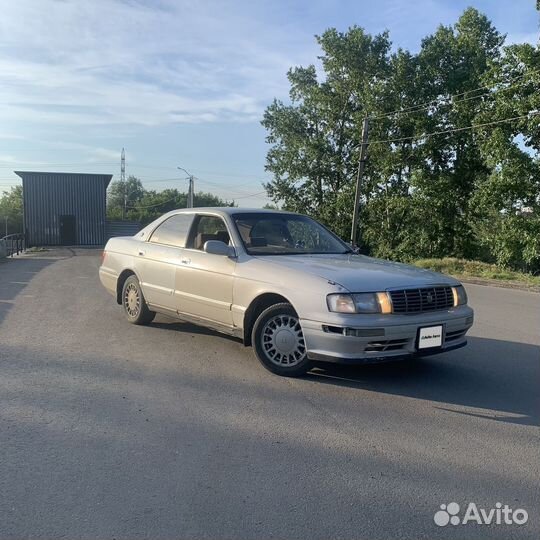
column 219, row 210
column 229, row 210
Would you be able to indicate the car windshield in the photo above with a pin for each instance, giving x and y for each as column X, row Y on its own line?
column 286, row 234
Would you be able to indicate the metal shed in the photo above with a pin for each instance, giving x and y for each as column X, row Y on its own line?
column 64, row 208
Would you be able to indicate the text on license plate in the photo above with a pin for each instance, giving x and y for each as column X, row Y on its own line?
column 431, row 336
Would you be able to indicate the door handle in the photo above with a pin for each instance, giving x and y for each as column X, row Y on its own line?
column 185, row 261
column 141, row 253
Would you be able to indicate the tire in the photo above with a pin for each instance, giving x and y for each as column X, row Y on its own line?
column 278, row 341
column 134, row 304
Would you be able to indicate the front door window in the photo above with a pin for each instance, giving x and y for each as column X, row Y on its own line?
column 208, row 228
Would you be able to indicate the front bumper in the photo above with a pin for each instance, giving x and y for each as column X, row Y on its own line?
column 372, row 338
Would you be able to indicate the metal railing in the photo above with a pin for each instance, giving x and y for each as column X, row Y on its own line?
column 13, row 244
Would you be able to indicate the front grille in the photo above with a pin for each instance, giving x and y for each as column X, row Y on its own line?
column 421, row 300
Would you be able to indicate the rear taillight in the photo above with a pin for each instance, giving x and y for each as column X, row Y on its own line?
column 103, row 255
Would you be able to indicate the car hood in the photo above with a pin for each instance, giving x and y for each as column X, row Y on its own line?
column 360, row 273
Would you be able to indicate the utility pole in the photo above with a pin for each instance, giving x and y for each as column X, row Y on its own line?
column 361, row 165
column 191, row 187
column 6, row 225
column 123, row 180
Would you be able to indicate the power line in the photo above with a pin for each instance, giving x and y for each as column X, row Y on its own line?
column 159, row 180
column 44, row 163
column 428, row 104
column 195, row 169
column 248, row 196
column 151, row 205
column 223, row 186
column 226, row 186
column 133, row 166
column 455, row 130
column 174, row 198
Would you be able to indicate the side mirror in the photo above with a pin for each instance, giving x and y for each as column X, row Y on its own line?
column 358, row 250
column 217, row 247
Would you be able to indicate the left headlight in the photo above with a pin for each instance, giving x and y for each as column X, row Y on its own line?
column 460, row 295
column 359, row 303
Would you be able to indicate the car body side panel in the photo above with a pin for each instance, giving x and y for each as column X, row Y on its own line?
column 204, row 286
column 156, row 267
column 306, row 292
column 119, row 257
column 108, row 279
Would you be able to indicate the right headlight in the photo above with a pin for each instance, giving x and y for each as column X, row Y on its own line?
column 460, row 296
column 377, row 302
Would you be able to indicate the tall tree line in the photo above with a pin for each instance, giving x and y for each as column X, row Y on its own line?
column 130, row 200
column 453, row 164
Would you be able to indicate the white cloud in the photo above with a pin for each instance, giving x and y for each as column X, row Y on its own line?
column 113, row 62
column 11, row 137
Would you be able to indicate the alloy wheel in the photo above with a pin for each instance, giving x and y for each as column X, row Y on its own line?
column 282, row 341
column 132, row 300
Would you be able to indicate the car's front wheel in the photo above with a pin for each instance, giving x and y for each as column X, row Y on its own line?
column 134, row 304
column 278, row 341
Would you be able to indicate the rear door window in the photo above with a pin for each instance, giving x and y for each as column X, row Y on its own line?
column 173, row 231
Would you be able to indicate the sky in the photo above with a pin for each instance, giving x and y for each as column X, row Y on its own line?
column 180, row 83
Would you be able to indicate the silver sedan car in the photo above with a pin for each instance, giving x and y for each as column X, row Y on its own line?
column 286, row 285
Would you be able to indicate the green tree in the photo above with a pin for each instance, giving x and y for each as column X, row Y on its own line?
column 146, row 205
column 122, row 193
column 454, row 61
column 313, row 155
column 153, row 204
column 507, row 201
column 119, row 193
column 421, row 196
column 11, row 207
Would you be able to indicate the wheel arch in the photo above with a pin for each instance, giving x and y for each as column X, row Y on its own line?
column 256, row 307
column 120, row 283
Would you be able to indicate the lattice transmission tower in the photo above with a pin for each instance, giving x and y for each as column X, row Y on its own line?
column 123, row 180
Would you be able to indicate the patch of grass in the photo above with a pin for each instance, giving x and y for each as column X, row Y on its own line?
column 476, row 269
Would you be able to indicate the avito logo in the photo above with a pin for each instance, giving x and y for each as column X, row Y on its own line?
column 500, row 515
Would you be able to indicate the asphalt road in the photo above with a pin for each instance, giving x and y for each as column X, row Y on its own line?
column 108, row 430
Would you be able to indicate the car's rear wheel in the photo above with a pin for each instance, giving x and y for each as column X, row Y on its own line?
column 134, row 304
column 278, row 341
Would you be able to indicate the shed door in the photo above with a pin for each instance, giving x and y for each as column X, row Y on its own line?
column 68, row 231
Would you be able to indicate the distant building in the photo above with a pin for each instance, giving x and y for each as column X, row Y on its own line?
column 64, row 208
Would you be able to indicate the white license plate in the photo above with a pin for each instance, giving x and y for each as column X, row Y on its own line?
column 431, row 336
